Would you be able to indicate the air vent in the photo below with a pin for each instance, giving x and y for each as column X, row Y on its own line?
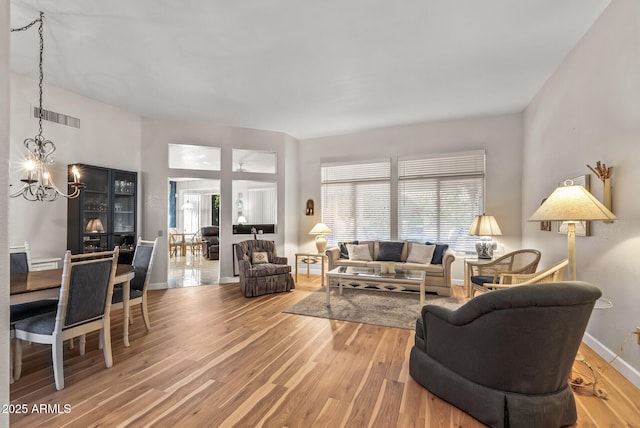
column 60, row 118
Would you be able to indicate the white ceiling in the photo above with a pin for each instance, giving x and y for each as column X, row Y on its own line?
column 307, row 68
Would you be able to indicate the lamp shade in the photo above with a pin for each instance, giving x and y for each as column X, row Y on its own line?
column 319, row 229
column 242, row 219
column 95, row 226
column 484, row 225
column 572, row 203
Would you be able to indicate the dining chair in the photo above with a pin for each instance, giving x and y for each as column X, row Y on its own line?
column 176, row 244
column 142, row 264
column 19, row 259
column 194, row 243
column 20, row 262
column 83, row 306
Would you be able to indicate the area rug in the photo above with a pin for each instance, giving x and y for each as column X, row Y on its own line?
column 389, row 309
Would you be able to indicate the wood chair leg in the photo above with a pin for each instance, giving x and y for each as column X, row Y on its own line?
column 83, row 343
column 57, row 348
column 16, row 356
column 145, row 312
column 106, row 344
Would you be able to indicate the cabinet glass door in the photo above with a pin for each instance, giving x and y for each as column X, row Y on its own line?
column 95, row 209
column 124, row 209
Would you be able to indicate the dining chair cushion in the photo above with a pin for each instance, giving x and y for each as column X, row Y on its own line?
column 118, row 295
column 267, row 269
column 482, row 279
column 25, row 310
column 141, row 264
column 38, row 324
column 18, row 263
column 84, row 302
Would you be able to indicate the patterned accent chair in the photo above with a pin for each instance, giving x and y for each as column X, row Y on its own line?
column 257, row 279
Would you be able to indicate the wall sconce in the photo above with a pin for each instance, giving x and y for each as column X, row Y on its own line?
column 309, row 210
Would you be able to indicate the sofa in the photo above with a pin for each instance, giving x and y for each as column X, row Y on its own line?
column 505, row 356
column 435, row 259
column 210, row 242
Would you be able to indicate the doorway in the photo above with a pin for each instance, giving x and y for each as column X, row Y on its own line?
column 194, row 207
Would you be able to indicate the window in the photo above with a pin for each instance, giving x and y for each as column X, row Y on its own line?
column 191, row 212
column 439, row 196
column 356, row 200
column 254, row 161
column 256, row 202
column 185, row 156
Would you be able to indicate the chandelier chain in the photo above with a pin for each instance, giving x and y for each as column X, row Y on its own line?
column 38, row 184
column 40, row 68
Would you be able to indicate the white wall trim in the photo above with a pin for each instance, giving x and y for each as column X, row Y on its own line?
column 619, row 364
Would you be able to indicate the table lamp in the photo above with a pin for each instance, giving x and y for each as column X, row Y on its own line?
column 572, row 204
column 321, row 241
column 95, row 226
column 485, row 226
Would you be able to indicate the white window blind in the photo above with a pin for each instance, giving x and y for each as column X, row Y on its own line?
column 439, row 196
column 356, row 200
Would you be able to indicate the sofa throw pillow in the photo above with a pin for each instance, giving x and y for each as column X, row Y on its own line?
column 421, row 253
column 390, row 251
column 344, row 252
column 259, row 257
column 438, row 253
column 359, row 252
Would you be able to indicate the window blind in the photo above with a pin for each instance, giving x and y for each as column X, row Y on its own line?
column 356, row 200
column 438, row 197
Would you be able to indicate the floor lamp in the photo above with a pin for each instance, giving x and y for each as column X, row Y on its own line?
column 572, row 204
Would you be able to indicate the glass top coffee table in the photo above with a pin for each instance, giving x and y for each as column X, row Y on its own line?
column 373, row 275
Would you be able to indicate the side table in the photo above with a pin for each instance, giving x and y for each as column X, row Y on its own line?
column 469, row 263
column 308, row 258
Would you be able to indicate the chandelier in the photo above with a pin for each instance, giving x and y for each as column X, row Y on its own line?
column 38, row 184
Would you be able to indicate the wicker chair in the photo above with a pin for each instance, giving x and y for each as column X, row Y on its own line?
column 521, row 261
column 259, row 276
column 507, row 280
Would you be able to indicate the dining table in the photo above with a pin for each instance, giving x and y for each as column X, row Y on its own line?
column 45, row 284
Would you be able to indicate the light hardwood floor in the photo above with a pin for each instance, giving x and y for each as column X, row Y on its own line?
column 192, row 270
column 215, row 358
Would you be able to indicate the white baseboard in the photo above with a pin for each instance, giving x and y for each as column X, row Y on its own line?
column 619, row 364
column 226, row 280
column 158, row 286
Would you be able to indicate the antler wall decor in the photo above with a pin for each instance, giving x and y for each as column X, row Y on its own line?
column 604, row 174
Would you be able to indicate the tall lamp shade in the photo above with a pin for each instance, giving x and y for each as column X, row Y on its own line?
column 321, row 241
column 485, row 226
column 572, row 204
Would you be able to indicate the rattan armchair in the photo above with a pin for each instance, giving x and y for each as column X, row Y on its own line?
column 552, row 274
column 517, row 262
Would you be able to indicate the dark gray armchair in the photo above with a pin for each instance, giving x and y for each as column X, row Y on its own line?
column 505, row 357
column 272, row 275
column 210, row 242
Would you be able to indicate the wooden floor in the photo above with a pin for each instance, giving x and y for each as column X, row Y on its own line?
column 215, row 358
column 191, row 270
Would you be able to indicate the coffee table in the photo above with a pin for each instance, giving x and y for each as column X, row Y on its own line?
column 376, row 279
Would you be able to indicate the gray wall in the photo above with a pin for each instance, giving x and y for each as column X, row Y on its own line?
column 501, row 136
column 4, row 209
column 589, row 110
column 107, row 137
column 157, row 134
